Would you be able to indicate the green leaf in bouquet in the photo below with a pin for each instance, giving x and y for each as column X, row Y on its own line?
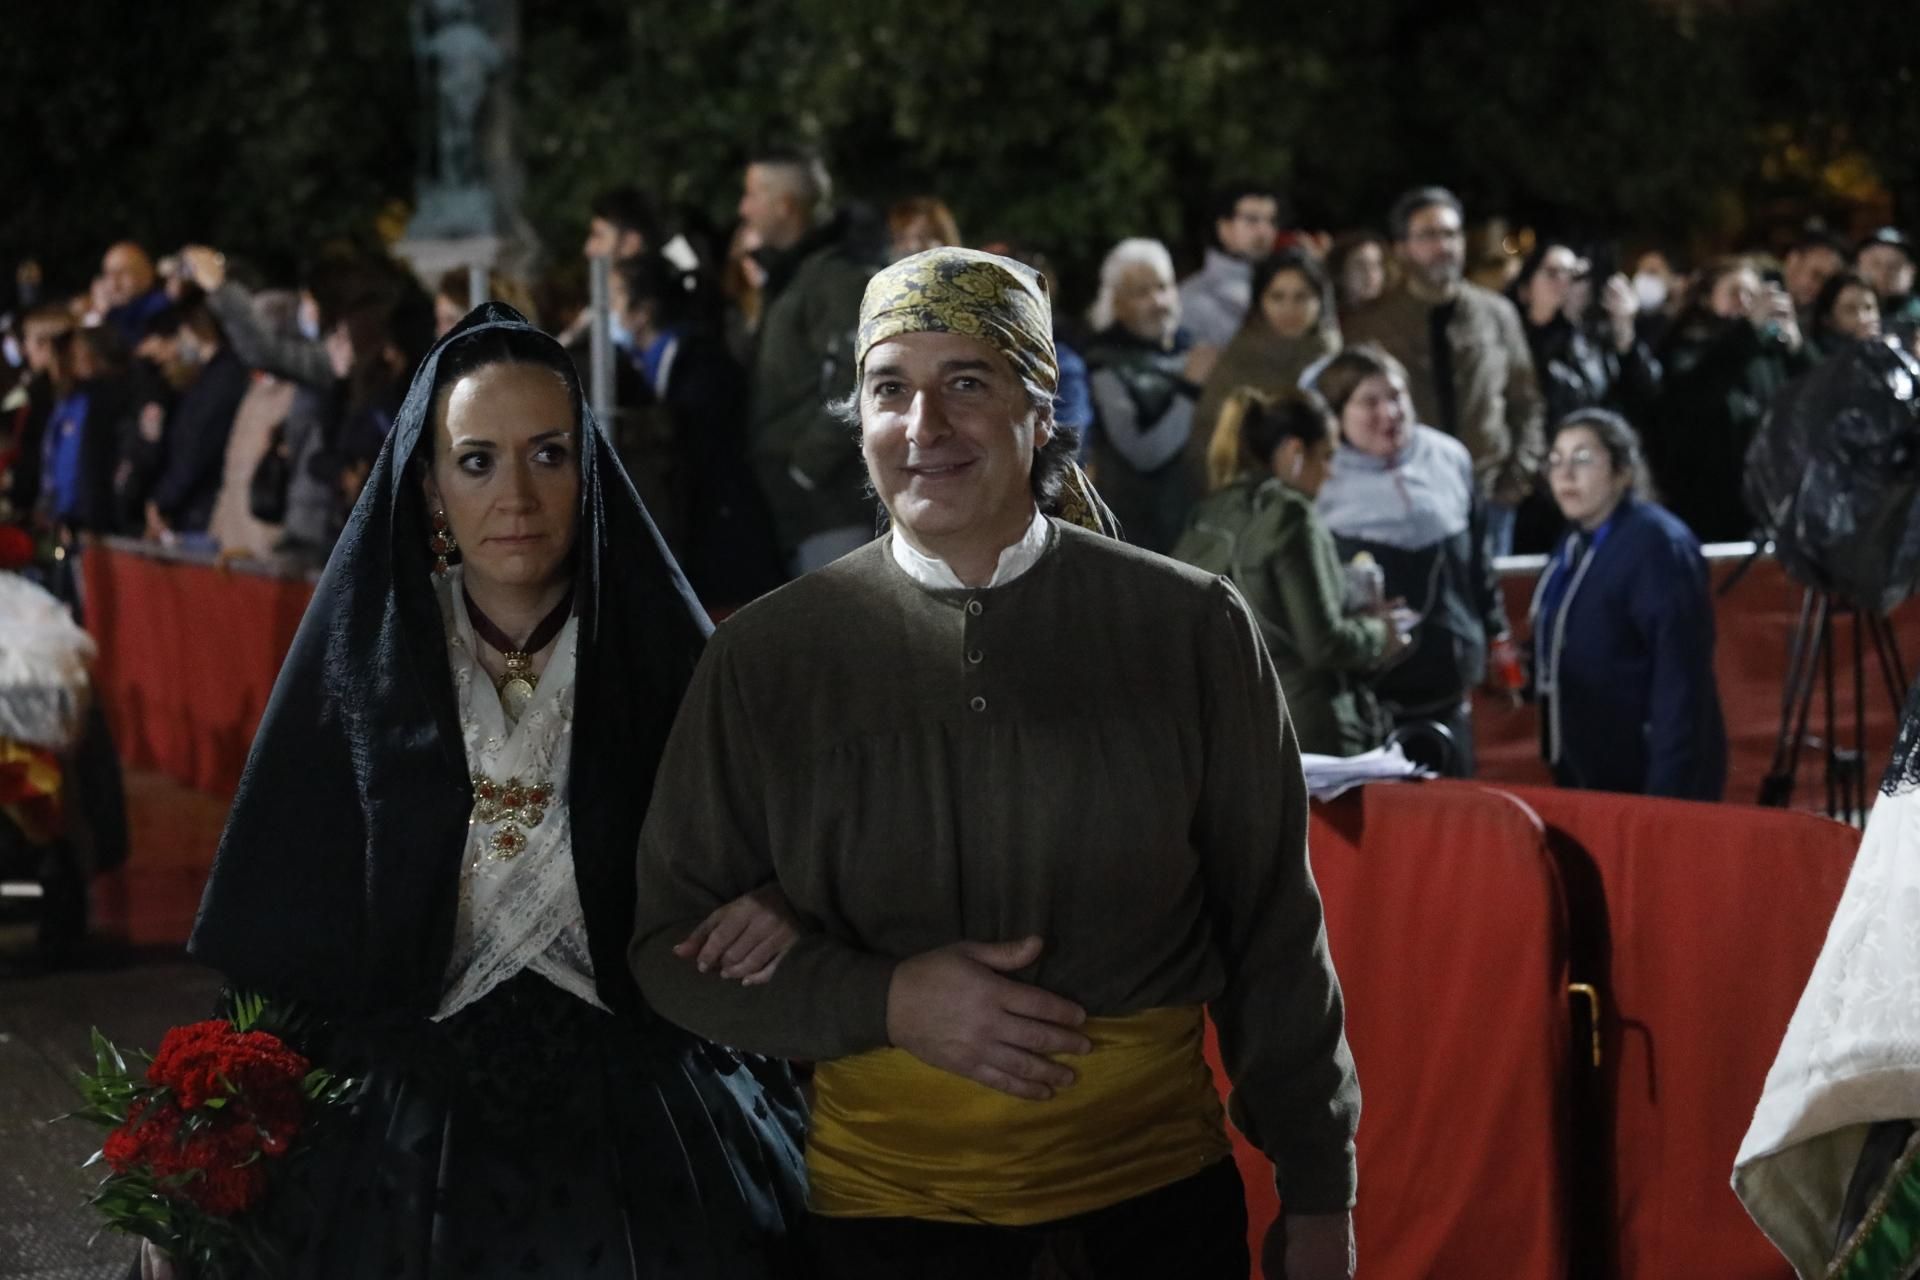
column 107, row 1058
column 245, row 1009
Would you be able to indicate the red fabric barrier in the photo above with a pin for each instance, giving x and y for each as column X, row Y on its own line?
column 1443, row 914
column 1755, row 623
column 188, row 655
column 1716, row 914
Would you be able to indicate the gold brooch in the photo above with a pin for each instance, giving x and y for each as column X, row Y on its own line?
column 517, row 806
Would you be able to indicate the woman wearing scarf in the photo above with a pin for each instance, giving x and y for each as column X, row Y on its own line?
column 499, row 614
column 1290, row 327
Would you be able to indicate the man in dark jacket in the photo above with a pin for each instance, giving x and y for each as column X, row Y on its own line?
column 807, row 460
column 133, row 296
column 211, row 381
column 1468, row 366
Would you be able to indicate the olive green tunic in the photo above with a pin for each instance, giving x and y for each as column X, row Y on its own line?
column 1096, row 752
column 1268, row 540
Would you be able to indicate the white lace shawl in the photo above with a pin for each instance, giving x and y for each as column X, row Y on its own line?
column 44, row 656
column 521, row 912
column 1851, row 1056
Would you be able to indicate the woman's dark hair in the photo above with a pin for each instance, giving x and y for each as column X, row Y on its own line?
column 106, row 354
column 1341, row 376
column 1253, row 424
column 1530, row 266
column 1347, row 243
column 679, row 298
column 1829, row 295
column 482, row 348
column 1307, row 268
column 1700, row 294
column 1616, row 436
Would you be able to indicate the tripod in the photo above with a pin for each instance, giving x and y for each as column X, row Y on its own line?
column 1810, row 663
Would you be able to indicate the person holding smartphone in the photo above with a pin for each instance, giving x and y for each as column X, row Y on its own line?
column 1734, row 346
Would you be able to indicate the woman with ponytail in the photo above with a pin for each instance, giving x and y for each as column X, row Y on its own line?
column 1267, row 460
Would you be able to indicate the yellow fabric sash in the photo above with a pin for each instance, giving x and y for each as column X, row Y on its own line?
column 895, row 1138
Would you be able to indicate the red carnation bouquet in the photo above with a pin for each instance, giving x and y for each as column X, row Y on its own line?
column 197, row 1140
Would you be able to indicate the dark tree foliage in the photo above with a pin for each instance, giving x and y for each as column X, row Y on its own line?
column 270, row 126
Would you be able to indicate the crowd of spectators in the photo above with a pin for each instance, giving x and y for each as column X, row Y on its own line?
column 202, row 407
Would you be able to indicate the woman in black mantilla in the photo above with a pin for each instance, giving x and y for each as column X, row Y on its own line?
column 462, row 948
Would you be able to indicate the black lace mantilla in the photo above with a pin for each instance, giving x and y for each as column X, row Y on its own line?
column 1903, row 771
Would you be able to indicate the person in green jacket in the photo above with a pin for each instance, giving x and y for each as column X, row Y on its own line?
column 1259, row 529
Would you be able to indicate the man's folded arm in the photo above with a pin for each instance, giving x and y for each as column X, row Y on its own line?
column 704, row 844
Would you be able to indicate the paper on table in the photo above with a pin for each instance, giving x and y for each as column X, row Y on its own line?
column 1330, row 776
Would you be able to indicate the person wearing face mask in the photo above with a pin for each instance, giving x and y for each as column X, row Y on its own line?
column 1259, row 529
column 1406, row 495
column 1290, row 327
column 1145, row 375
column 1623, row 630
column 1735, row 345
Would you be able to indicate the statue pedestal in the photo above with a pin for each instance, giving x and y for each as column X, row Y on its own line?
column 431, row 257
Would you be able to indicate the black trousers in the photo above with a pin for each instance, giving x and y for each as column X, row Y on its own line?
column 1195, row 1229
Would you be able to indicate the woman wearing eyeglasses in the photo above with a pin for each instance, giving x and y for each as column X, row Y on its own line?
column 1623, row 629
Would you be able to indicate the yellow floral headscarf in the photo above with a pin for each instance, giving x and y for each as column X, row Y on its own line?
column 997, row 300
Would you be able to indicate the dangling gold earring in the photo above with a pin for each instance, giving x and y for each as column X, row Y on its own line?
column 442, row 543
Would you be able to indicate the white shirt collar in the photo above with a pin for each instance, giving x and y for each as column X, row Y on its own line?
column 934, row 574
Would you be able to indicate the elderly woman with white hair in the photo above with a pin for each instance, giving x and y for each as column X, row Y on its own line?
column 1146, row 377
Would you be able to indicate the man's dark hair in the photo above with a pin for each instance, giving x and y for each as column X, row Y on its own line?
column 1811, row 238
column 681, row 299
column 188, row 311
column 1413, row 202
column 629, row 209
column 1227, row 198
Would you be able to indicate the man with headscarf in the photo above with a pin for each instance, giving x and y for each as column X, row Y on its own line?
column 1037, row 796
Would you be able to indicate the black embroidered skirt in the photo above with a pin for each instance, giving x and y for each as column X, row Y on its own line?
column 532, row 1134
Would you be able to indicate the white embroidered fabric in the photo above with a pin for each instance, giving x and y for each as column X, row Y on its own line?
column 1851, row 1056
column 521, row 912
column 44, row 657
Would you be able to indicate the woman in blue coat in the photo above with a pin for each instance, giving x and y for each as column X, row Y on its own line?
column 1623, row 629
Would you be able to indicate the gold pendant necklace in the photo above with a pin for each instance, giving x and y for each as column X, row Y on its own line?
column 515, row 686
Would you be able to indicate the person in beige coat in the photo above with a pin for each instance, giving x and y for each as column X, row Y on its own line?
column 1468, row 366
